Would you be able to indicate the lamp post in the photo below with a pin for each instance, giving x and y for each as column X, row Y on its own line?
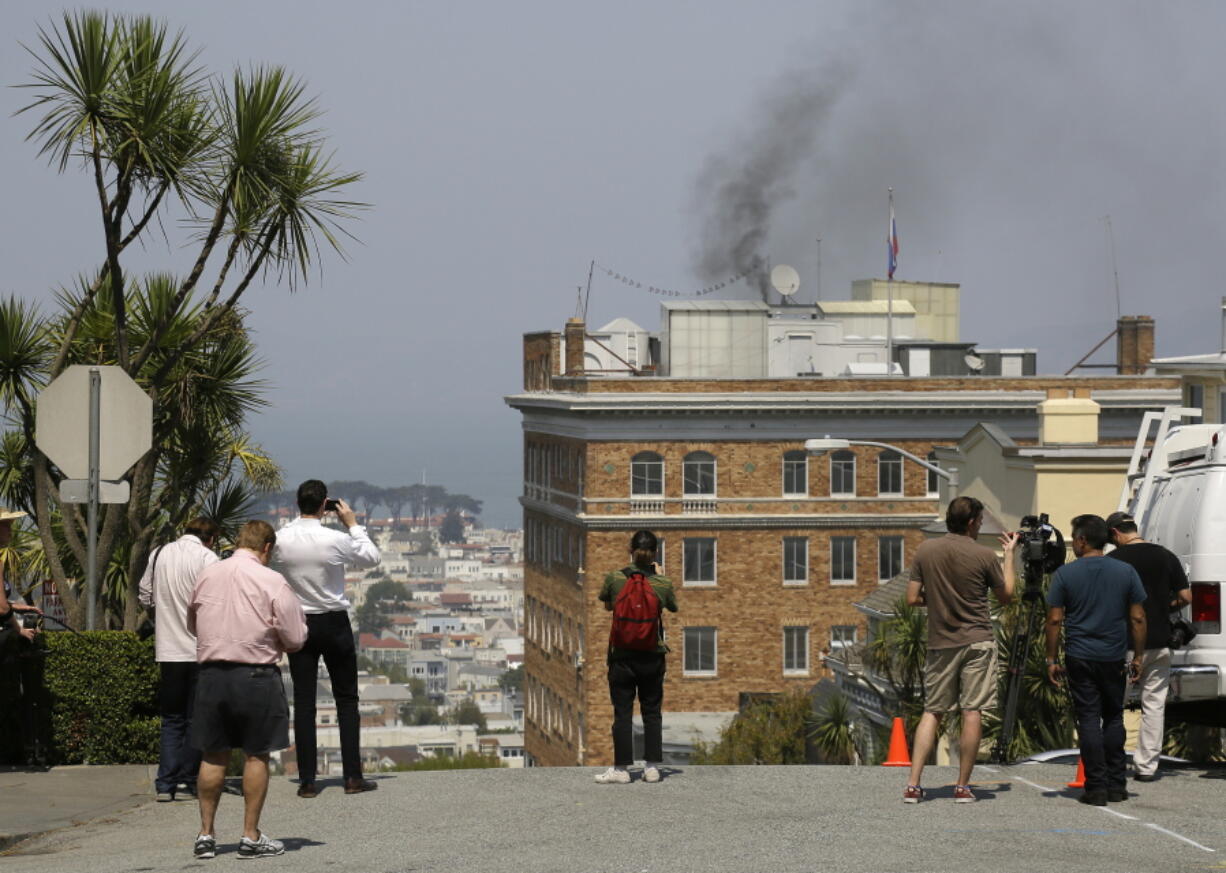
column 828, row 444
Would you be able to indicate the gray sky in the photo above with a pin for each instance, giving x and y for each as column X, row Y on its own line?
column 507, row 144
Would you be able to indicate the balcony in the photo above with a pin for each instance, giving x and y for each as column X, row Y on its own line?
column 654, row 506
column 699, row 506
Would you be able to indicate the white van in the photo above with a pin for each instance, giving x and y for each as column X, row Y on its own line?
column 1177, row 494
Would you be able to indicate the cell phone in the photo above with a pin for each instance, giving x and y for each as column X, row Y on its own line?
column 331, row 504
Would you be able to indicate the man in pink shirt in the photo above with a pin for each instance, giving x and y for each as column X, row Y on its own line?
column 244, row 616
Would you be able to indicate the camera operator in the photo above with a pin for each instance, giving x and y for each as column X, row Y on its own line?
column 1166, row 588
column 951, row 576
column 313, row 558
column 1097, row 601
column 19, row 669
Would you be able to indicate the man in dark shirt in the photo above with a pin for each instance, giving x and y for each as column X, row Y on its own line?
column 1166, row 588
column 1098, row 601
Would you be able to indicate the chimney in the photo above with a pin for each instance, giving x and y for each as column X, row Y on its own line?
column 573, row 340
column 1134, row 344
column 1068, row 417
column 1224, row 325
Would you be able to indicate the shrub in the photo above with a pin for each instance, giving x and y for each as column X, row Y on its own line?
column 467, row 761
column 101, row 688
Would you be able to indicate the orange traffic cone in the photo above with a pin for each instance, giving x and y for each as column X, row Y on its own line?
column 1079, row 781
column 899, row 756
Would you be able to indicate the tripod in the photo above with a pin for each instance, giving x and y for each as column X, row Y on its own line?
column 1019, row 653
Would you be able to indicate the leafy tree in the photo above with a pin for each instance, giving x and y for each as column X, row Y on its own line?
column 394, row 594
column 467, row 712
column 432, row 498
column 897, row 654
column 767, row 731
column 512, row 680
column 419, row 713
column 123, row 99
column 466, row 761
column 462, row 503
column 452, row 528
column 371, row 618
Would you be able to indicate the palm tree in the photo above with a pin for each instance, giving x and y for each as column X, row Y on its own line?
column 836, row 732
column 123, row 98
column 897, row 654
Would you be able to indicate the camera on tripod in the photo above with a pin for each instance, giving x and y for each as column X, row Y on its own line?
column 1041, row 547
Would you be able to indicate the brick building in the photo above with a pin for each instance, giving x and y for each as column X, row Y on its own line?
column 769, row 548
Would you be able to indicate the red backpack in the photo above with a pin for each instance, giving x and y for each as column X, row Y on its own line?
column 636, row 615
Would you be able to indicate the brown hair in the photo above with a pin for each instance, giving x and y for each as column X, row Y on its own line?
column 643, row 548
column 961, row 512
column 204, row 528
column 255, row 535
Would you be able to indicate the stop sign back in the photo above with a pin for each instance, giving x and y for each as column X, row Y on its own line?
column 61, row 422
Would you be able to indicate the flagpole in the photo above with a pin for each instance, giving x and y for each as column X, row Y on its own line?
column 889, row 293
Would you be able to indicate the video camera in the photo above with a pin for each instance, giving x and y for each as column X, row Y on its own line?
column 1041, row 548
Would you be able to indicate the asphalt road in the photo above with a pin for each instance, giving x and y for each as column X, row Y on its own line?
column 732, row 819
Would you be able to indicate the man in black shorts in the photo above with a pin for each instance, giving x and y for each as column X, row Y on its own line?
column 245, row 617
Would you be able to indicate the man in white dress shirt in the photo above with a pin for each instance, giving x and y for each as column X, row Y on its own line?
column 166, row 589
column 313, row 559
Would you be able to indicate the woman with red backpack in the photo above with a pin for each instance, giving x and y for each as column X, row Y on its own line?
column 637, row 596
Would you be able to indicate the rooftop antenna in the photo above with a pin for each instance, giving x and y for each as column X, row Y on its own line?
column 786, row 281
column 1115, row 274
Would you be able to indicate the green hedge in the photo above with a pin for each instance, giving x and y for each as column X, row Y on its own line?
column 102, row 690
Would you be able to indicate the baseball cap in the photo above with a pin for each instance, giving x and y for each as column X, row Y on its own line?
column 1115, row 519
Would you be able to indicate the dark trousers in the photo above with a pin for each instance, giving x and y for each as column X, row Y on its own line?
column 329, row 636
column 1097, row 688
column 24, row 722
column 640, row 674
column 178, row 761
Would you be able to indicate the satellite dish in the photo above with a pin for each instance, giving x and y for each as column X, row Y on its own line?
column 785, row 279
column 973, row 362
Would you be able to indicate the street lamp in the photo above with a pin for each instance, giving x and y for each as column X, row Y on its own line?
column 829, row 444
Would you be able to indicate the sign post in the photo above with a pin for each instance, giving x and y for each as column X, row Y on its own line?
column 119, row 430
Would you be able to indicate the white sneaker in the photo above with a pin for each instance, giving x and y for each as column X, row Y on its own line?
column 651, row 773
column 613, row 776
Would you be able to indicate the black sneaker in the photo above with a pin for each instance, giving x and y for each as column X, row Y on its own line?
column 1145, row 777
column 260, row 848
column 1093, row 798
column 206, row 846
column 1116, row 795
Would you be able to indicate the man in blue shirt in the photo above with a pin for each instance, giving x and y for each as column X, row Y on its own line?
column 1098, row 601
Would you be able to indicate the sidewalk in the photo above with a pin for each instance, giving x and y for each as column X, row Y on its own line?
column 34, row 802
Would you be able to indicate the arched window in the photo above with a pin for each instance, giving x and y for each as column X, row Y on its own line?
column 698, row 474
column 889, row 473
column 796, row 474
column 843, row 473
column 647, row 475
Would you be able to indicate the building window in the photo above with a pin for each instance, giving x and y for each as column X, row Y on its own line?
column 700, row 651
column 842, row 560
column 795, row 560
column 698, row 561
column 660, row 552
column 889, row 473
column 698, row 474
column 796, row 474
column 842, row 636
column 889, row 557
column 1196, row 400
column 934, row 478
column 796, row 650
column 646, row 475
column 843, row 473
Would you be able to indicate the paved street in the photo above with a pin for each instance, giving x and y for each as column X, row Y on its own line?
column 700, row 819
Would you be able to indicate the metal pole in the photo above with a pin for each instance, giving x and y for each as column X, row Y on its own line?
column 91, row 537
column 889, row 296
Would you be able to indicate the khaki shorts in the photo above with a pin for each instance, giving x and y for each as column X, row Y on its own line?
column 961, row 678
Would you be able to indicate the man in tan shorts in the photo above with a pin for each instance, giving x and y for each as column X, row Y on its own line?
column 951, row 576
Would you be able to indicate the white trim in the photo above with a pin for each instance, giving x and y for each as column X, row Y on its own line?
column 686, row 583
column 797, row 671
column 902, row 555
column 783, row 469
column 855, row 461
column 783, row 548
column 714, row 652
column 854, row 557
column 902, row 481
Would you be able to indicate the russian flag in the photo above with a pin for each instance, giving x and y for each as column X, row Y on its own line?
column 892, row 241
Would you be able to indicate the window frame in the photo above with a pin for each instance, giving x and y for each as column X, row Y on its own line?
column 888, row 540
column 889, row 463
column 802, row 650
column 843, row 457
column 653, row 458
column 685, row 651
column 837, row 644
column 934, row 479
column 842, row 541
column 686, row 582
column 698, row 460
column 791, row 458
column 795, row 581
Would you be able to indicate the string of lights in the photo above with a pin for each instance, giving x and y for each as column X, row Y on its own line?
column 667, row 292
